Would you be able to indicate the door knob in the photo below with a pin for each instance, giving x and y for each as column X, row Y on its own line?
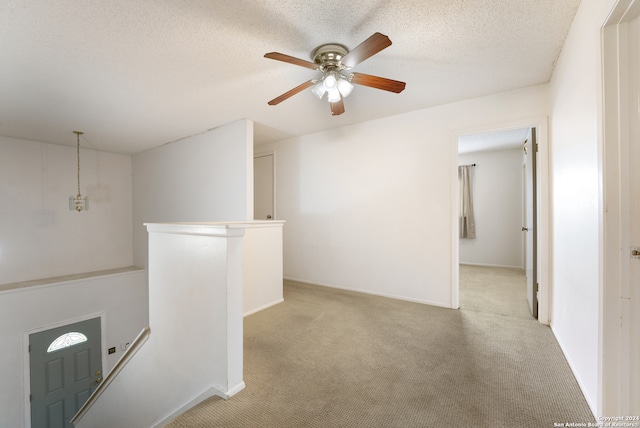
column 525, row 229
column 269, row 217
column 99, row 378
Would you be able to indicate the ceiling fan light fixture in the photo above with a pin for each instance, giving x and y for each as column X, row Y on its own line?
column 345, row 87
column 333, row 95
column 330, row 81
column 318, row 89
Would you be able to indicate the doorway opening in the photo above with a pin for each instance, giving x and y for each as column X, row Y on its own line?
column 497, row 268
column 264, row 186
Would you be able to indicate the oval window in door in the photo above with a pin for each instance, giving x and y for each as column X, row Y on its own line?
column 66, row 340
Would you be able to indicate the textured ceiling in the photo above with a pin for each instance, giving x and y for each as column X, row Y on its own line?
column 138, row 74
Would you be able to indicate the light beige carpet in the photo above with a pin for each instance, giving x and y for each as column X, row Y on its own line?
column 500, row 291
column 331, row 358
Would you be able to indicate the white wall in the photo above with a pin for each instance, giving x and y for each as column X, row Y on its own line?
column 369, row 206
column 207, row 177
column 576, row 217
column 497, row 199
column 195, row 345
column 119, row 298
column 39, row 236
column 262, row 265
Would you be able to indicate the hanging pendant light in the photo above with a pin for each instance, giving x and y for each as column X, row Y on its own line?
column 78, row 203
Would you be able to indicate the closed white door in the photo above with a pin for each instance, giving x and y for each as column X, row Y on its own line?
column 263, row 187
column 65, row 366
column 620, row 301
column 631, row 296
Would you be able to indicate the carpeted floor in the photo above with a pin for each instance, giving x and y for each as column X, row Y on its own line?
column 331, row 358
column 500, row 291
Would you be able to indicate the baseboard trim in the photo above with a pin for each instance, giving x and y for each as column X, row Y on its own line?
column 208, row 393
column 490, row 265
column 233, row 391
column 373, row 293
column 590, row 403
column 263, row 307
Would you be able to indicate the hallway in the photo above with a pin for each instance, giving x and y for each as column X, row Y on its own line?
column 494, row 290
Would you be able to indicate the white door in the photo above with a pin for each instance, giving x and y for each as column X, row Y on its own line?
column 263, row 187
column 65, row 366
column 529, row 228
column 633, row 291
column 620, row 299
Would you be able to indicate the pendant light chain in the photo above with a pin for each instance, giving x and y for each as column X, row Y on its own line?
column 78, row 203
column 78, row 153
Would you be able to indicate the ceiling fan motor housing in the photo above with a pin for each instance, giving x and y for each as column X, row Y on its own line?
column 329, row 56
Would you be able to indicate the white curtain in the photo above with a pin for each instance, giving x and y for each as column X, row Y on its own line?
column 467, row 223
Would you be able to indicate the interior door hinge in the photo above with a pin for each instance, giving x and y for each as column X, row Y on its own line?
column 29, row 348
column 536, row 147
column 30, row 397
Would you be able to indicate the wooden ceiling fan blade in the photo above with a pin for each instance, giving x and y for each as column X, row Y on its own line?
column 377, row 82
column 337, row 107
column 366, row 49
column 291, row 92
column 291, row 60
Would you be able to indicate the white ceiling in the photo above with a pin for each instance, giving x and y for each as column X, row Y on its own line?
column 135, row 74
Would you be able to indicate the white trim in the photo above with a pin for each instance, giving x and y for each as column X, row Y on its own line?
column 455, row 233
column 574, row 370
column 373, row 293
column 490, row 265
column 263, row 307
column 66, row 279
column 263, row 223
column 208, row 393
column 544, row 207
column 226, row 229
column 233, row 391
column 26, row 358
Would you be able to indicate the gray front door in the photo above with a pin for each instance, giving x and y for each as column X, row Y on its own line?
column 65, row 366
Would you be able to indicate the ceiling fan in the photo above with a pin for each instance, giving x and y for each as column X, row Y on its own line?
column 332, row 60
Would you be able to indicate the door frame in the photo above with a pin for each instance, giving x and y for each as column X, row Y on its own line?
column 271, row 153
column 614, row 377
column 26, row 357
column 543, row 207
